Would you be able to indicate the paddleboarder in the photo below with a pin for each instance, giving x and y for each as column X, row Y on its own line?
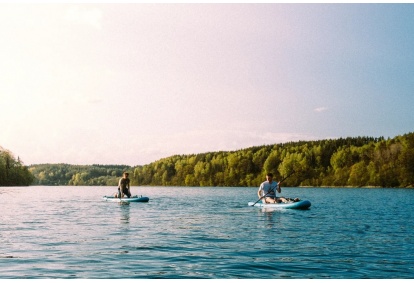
column 267, row 190
column 124, row 186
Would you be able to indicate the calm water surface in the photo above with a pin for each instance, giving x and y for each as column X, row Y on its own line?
column 70, row 232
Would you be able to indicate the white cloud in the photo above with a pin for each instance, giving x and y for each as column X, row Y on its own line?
column 92, row 17
column 320, row 109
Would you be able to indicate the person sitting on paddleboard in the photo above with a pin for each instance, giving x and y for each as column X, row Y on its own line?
column 267, row 190
column 123, row 186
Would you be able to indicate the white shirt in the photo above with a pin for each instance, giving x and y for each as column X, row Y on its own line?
column 265, row 187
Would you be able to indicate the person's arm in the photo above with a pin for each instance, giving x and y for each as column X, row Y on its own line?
column 119, row 193
column 279, row 190
column 259, row 192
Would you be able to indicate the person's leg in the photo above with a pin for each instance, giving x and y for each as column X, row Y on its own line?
column 281, row 199
column 125, row 192
column 270, row 200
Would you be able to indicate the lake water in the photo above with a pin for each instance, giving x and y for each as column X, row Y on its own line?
column 70, row 232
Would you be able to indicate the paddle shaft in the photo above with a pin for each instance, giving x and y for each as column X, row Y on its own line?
column 270, row 191
column 287, row 176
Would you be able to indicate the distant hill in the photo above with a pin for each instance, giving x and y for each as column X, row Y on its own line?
column 77, row 175
column 356, row 162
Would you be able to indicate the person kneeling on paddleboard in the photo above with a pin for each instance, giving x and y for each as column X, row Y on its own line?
column 267, row 190
column 123, row 186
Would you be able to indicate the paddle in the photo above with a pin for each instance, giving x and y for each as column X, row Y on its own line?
column 270, row 191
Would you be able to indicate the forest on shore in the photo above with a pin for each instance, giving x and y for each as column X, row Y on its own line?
column 12, row 170
column 354, row 162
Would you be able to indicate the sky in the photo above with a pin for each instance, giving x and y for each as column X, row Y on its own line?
column 133, row 83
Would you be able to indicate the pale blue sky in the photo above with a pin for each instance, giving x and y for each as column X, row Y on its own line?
column 133, row 83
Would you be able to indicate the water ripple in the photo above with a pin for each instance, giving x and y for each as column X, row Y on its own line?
column 58, row 235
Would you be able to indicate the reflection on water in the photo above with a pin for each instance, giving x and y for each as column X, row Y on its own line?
column 273, row 217
column 125, row 210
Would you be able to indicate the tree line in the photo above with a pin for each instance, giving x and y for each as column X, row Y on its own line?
column 356, row 162
column 77, row 175
column 12, row 170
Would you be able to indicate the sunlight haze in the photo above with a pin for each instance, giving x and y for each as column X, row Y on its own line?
column 133, row 83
